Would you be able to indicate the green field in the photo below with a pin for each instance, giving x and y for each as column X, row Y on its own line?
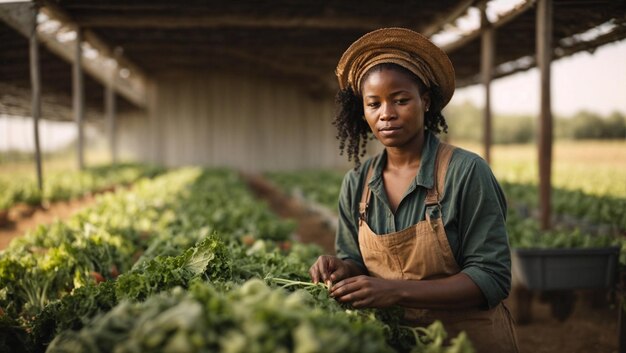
column 594, row 167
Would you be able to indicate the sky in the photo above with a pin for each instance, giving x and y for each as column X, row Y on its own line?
column 594, row 82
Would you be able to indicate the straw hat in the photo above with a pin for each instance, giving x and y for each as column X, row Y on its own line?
column 400, row 46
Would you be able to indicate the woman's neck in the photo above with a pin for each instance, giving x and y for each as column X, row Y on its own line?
column 407, row 156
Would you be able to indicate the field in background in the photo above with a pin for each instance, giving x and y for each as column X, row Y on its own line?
column 58, row 162
column 595, row 167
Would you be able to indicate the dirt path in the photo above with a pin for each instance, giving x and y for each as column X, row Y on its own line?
column 23, row 219
column 312, row 228
column 591, row 327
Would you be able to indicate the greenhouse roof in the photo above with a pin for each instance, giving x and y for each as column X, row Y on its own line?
column 299, row 40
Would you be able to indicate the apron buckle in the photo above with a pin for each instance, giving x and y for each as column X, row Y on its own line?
column 362, row 212
column 433, row 224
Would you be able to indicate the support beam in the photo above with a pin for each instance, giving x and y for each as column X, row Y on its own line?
column 79, row 98
column 18, row 15
column 174, row 20
column 501, row 21
column 544, row 58
column 109, row 108
column 35, row 79
column 132, row 88
column 486, row 69
column 447, row 18
column 529, row 62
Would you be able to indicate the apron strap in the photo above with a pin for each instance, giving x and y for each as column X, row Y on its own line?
column 433, row 196
column 442, row 160
column 365, row 195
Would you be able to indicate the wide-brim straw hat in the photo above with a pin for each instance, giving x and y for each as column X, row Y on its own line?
column 398, row 40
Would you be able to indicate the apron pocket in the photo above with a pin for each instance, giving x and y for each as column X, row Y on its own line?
column 381, row 264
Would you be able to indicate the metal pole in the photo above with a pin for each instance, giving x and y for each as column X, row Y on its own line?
column 544, row 58
column 486, row 66
column 111, row 116
column 79, row 99
column 35, row 81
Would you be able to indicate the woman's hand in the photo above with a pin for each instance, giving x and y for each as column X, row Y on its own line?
column 331, row 269
column 454, row 292
column 367, row 292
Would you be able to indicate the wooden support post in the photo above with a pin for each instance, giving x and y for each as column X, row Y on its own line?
column 524, row 304
column 621, row 316
column 79, row 99
column 486, row 67
column 35, row 81
column 621, row 327
column 544, row 58
column 109, row 107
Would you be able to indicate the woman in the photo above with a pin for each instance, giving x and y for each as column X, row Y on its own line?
column 421, row 225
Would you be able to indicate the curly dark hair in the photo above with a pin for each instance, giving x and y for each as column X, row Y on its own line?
column 351, row 126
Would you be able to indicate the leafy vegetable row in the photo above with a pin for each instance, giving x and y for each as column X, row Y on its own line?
column 251, row 318
column 319, row 186
column 599, row 210
column 523, row 228
column 68, row 185
column 94, row 282
column 598, row 213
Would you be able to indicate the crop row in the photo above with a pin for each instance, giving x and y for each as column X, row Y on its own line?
column 61, row 186
column 185, row 262
column 318, row 186
column 582, row 220
column 592, row 209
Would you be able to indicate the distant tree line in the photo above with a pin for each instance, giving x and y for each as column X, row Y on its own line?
column 465, row 122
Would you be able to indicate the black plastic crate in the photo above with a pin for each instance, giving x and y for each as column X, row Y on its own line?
column 558, row 269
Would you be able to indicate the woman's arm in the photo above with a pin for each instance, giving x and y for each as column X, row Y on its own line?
column 455, row 292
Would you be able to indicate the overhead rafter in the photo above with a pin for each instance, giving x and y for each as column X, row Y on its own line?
column 19, row 17
column 170, row 21
column 506, row 18
column 447, row 18
column 529, row 62
column 132, row 88
column 298, row 40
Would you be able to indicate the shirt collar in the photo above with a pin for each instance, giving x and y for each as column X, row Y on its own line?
column 425, row 174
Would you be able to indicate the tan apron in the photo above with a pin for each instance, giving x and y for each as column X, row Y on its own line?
column 421, row 252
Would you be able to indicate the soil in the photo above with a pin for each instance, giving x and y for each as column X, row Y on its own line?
column 311, row 228
column 588, row 325
column 23, row 218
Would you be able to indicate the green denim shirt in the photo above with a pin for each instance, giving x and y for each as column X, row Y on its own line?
column 473, row 207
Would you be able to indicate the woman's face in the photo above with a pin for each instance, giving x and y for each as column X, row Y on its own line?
column 393, row 107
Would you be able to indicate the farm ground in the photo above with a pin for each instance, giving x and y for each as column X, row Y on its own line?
column 20, row 224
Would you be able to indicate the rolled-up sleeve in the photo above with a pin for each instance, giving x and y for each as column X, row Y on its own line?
column 485, row 253
column 346, row 241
